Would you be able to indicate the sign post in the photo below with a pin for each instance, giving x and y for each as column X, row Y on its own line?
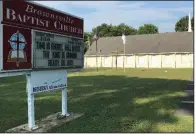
column 116, row 55
column 30, row 101
column 64, row 102
column 95, row 38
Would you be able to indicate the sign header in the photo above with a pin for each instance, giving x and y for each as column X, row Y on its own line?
column 30, row 15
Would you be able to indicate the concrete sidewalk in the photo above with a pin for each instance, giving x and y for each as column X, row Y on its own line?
column 190, row 87
column 186, row 106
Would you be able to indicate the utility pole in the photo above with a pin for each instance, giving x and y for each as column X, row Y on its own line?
column 116, row 58
column 189, row 24
column 95, row 38
column 96, row 57
column 116, row 54
column 124, row 42
column 124, row 58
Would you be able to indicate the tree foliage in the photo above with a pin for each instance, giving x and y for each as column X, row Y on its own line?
column 192, row 23
column 87, row 41
column 182, row 24
column 105, row 30
column 148, row 29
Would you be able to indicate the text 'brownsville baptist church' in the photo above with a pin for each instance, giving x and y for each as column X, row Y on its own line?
column 40, row 17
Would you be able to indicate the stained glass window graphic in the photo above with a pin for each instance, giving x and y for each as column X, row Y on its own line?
column 13, row 41
column 17, row 43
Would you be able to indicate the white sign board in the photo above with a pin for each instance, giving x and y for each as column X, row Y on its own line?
column 43, row 81
column 56, row 51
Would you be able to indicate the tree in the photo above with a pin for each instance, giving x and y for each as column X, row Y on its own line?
column 192, row 23
column 125, row 28
column 87, row 41
column 148, row 29
column 182, row 24
column 105, row 30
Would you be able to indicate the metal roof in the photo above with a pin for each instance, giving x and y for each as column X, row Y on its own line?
column 150, row 43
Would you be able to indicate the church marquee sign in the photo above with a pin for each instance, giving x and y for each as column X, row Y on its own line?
column 37, row 37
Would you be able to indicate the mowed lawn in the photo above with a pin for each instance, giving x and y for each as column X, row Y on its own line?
column 140, row 100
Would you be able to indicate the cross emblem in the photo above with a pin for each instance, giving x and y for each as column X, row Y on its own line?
column 17, row 41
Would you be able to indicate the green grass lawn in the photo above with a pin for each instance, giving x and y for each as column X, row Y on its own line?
column 112, row 101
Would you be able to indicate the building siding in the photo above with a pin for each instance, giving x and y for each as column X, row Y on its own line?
column 154, row 61
column 130, row 61
column 168, row 61
column 173, row 60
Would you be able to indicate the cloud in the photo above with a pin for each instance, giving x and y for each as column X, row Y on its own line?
column 130, row 12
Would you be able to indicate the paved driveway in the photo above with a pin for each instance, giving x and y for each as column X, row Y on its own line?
column 187, row 103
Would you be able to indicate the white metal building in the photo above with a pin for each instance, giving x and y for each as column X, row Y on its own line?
column 164, row 50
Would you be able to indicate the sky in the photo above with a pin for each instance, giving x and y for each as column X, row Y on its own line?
column 163, row 14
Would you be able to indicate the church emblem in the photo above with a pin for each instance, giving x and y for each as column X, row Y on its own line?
column 17, row 54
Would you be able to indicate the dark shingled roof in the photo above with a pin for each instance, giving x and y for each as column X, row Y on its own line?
column 151, row 43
